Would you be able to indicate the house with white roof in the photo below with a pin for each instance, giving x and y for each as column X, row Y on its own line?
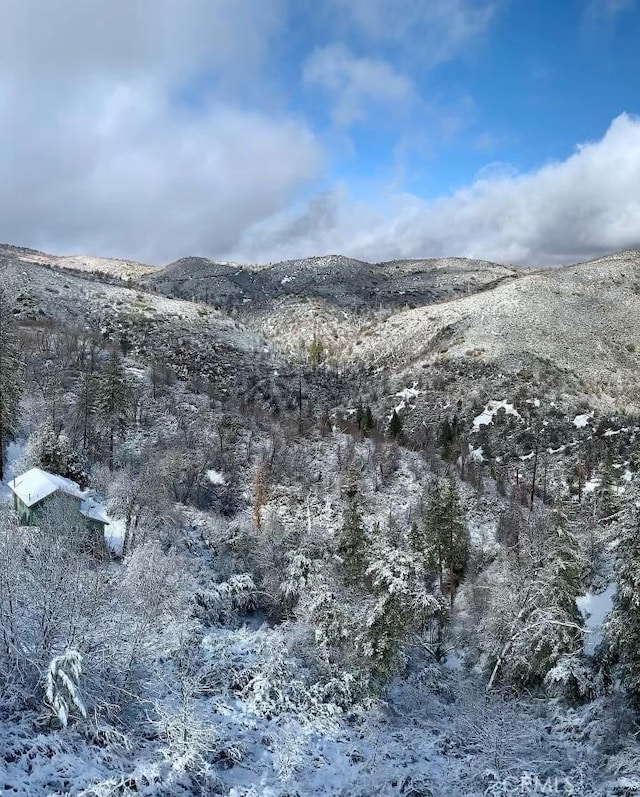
column 33, row 490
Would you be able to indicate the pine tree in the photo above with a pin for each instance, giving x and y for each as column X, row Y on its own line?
column 10, row 377
column 352, row 538
column 624, row 624
column 456, row 542
column 113, row 400
column 606, row 492
column 368, row 419
column 86, row 405
column 395, row 426
column 402, row 603
column 448, row 437
column 448, row 545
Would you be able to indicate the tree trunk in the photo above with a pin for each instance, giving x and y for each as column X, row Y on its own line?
column 535, row 470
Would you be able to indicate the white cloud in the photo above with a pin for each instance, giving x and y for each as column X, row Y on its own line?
column 127, row 173
column 355, row 84
column 108, row 145
column 151, row 129
column 433, row 31
column 53, row 39
column 565, row 211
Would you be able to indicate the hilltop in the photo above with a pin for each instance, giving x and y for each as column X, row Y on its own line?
column 341, row 281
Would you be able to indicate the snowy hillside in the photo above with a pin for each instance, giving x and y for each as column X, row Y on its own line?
column 373, row 530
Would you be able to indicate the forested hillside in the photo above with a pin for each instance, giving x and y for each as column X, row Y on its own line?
column 362, row 541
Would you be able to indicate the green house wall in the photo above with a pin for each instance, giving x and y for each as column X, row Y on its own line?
column 28, row 516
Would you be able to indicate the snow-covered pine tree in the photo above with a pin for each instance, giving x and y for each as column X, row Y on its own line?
column 86, row 406
column 623, row 627
column 606, row 492
column 10, row 377
column 402, row 606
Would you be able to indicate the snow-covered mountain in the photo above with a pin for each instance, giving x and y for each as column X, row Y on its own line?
column 341, row 281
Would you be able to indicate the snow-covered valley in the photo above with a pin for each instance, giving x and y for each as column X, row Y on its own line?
column 332, row 567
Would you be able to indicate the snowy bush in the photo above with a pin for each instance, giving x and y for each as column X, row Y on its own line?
column 62, row 693
column 224, row 602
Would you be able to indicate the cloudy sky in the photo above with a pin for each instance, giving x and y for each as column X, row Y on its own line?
column 258, row 130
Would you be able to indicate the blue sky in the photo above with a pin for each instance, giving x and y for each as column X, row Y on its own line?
column 259, row 130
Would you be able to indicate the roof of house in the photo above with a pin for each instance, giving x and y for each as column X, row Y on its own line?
column 92, row 509
column 36, row 484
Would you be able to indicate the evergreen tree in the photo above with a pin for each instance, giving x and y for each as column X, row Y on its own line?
column 391, row 613
column 624, row 623
column 395, row 426
column 368, row 419
column 113, row 400
column 10, row 377
column 86, row 406
column 447, row 544
column 352, row 538
column 448, row 437
column 606, row 493
column 402, row 604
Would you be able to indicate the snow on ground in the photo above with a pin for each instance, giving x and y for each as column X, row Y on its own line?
column 124, row 269
column 580, row 421
column 454, row 660
column 476, row 454
column 486, row 416
column 594, row 609
column 591, row 485
column 407, row 395
column 114, row 536
column 13, row 454
column 482, row 533
column 216, row 477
